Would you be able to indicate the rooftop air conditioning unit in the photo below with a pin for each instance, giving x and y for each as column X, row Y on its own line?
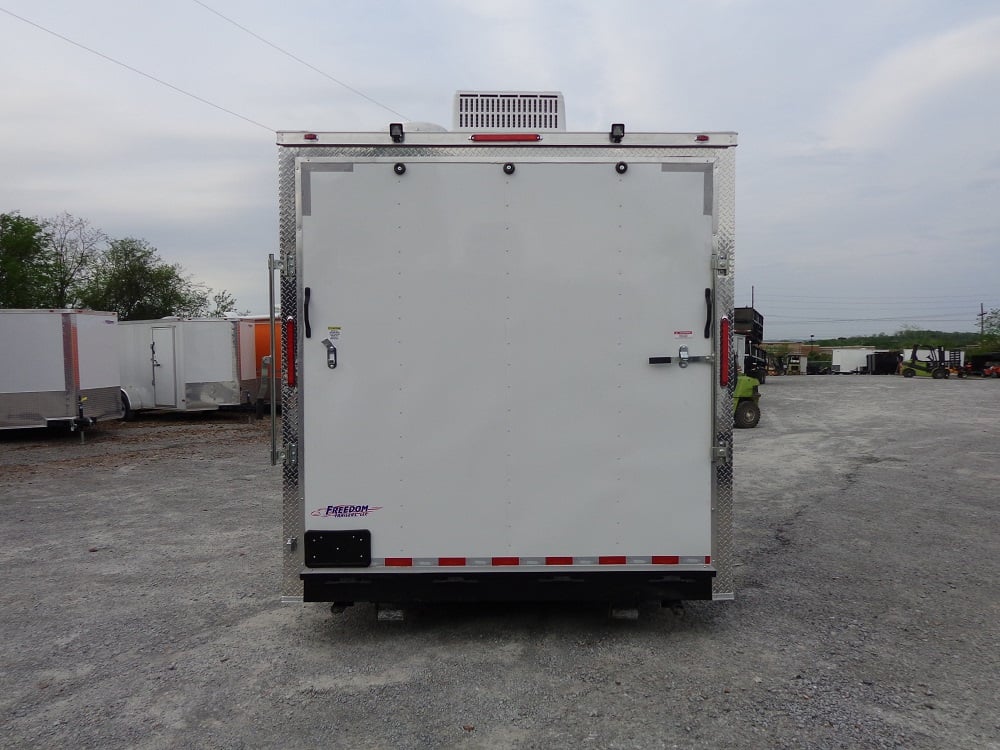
column 509, row 111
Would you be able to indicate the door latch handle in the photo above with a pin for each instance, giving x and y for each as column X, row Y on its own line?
column 331, row 354
column 684, row 358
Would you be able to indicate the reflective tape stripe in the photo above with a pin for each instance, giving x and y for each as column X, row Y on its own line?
column 666, row 560
column 555, row 560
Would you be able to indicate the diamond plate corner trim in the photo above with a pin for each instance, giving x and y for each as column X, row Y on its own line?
column 292, row 514
column 723, row 553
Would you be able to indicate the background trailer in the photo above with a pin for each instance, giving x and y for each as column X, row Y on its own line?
column 58, row 366
column 180, row 364
column 851, row 359
column 255, row 348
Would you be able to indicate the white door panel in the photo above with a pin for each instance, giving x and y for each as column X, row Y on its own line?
column 493, row 394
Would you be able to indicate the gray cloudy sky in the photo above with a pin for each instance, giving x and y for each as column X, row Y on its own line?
column 868, row 166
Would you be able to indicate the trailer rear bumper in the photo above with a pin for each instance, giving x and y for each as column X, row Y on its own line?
column 617, row 587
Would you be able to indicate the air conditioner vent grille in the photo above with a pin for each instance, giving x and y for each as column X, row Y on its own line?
column 509, row 111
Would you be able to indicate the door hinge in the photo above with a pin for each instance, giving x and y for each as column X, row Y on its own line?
column 291, row 455
column 720, row 453
column 285, row 264
column 721, row 263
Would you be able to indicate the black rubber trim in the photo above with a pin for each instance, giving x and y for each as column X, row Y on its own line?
column 616, row 587
column 660, row 360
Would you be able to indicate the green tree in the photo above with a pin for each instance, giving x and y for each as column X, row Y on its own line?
column 990, row 339
column 222, row 302
column 131, row 279
column 991, row 323
column 71, row 250
column 22, row 250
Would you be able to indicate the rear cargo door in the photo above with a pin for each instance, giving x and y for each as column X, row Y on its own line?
column 477, row 384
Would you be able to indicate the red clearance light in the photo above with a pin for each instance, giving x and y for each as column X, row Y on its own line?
column 504, row 137
column 701, row 138
column 724, row 354
column 311, row 137
column 290, row 346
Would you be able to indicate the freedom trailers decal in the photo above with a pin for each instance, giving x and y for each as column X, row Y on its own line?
column 345, row 511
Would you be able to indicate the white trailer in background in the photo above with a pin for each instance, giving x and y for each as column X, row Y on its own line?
column 508, row 370
column 180, row 364
column 851, row 359
column 58, row 367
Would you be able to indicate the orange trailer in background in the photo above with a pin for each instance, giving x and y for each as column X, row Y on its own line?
column 255, row 345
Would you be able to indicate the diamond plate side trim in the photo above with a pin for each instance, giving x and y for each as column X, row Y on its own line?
column 293, row 514
column 722, row 513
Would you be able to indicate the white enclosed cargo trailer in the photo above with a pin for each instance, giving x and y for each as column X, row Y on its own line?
column 58, row 367
column 180, row 364
column 508, row 372
column 851, row 360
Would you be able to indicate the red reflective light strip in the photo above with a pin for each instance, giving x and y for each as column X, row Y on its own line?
column 724, row 353
column 504, row 137
column 666, row 560
column 290, row 345
column 558, row 560
column 444, row 561
column 506, row 561
column 611, row 560
column 399, row 562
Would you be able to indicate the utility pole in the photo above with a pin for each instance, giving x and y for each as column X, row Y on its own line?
column 982, row 322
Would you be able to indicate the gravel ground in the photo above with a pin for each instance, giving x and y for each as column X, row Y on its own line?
column 139, row 605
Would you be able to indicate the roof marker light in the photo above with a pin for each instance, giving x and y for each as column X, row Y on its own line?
column 504, row 137
column 701, row 138
column 310, row 137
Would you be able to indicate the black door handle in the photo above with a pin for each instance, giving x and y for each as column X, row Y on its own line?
column 306, row 294
column 708, row 317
